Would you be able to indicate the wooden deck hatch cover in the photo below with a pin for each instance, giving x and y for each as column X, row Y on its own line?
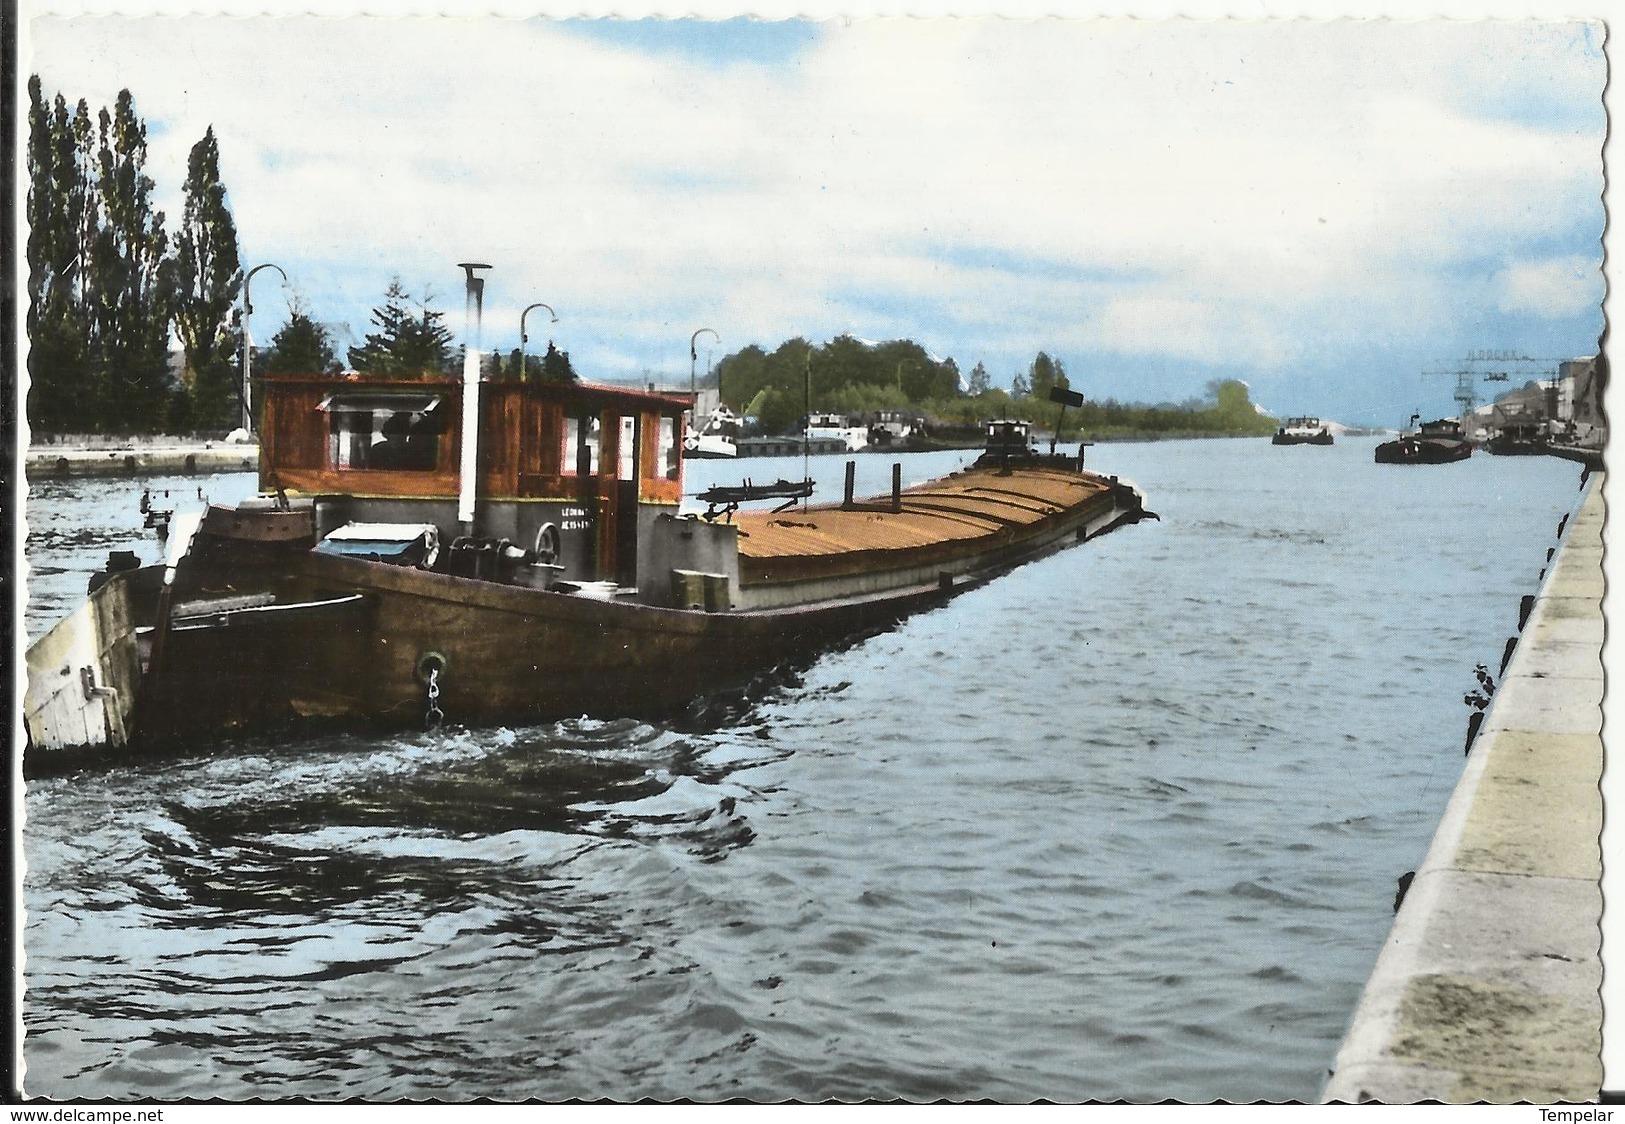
column 942, row 518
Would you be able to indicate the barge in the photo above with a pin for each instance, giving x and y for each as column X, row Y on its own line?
column 399, row 568
column 1302, row 431
column 1518, row 438
column 1435, row 442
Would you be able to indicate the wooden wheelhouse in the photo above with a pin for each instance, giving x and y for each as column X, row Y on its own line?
column 570, row 471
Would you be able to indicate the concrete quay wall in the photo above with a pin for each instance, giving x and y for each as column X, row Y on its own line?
column 140, row 460
column 1488, row 988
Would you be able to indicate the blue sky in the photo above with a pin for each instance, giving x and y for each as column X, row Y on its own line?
column 1325, row 209
column 712, row 43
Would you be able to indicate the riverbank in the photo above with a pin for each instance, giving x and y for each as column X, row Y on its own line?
column 1488, row 986
column 145, row 458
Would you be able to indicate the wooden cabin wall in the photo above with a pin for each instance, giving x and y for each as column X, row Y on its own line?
column 502, row 411
column 654, row 487
column 532, row 453
column 293, row 436
column 527, row 462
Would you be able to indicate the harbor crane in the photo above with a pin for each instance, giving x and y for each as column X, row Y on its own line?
column 1491, row 366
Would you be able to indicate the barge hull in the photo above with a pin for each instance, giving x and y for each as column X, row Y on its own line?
column 306, row 639
column 509, row 654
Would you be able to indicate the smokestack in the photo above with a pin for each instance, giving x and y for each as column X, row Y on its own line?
column 468, row 468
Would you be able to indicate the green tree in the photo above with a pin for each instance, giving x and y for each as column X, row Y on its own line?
column 779, row 410
column 1045, row 375
column 61, row 204
column 510, row 368
column 742, row 376
column 130, row 302
column 556, row 365
column 945, row 380
column 207, row 278
column 1233, row 410
column 301, row 347
column 846, row 375
column 980, row 381
column 843, row 361
column 407, row 342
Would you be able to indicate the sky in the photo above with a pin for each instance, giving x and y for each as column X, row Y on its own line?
column 1337, row 212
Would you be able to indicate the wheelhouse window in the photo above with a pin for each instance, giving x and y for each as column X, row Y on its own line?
column 579, row 456
column 384, row 431
column 627, row 465
column 670, row 450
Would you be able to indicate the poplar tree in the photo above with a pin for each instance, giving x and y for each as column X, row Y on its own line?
column 1045, row 374
column 980, row 381
column 61, row 208
column 206, row 277
column 130, row 308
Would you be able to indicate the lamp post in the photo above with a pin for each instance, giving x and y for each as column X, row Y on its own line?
column 248, row 344
column 523, row 338
column 693, row 358
column 468, row 469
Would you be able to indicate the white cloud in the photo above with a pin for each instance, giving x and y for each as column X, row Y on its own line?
column 1553, row 288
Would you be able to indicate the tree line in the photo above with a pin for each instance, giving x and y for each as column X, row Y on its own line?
column 853, row 377
column 845, row 375
column 409, row 340
column 110, row 285
column 1226, row 410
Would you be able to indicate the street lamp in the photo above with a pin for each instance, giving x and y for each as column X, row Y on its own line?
column 523, row 337
column 248, row 344
column 693, row 357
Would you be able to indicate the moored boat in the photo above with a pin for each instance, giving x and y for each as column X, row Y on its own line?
column 399, row 567
column 1518, row 439
column 718, row 439
column 838, row 427
column 1435, row 442
column 1303, row 431
column 894, row 431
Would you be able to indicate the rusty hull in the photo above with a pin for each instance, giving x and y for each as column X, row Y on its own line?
column 509, row 653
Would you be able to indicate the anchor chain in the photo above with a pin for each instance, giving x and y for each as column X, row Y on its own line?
column 435, row 716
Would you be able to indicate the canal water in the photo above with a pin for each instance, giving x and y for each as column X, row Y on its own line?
column 1123, row 824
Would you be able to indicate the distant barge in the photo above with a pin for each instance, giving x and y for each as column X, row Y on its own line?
column 392, row 573
column 1302, row 431
column 1436, row 442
